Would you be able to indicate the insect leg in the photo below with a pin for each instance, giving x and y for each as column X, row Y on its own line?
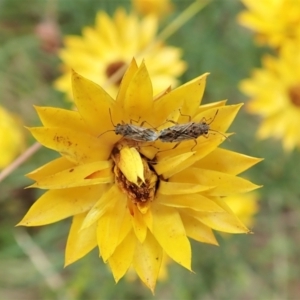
column 136, row 121
column 176, row 145
column 196, row 143
column 146, row 122
column 185, row 116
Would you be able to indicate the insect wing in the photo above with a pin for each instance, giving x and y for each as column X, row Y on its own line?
column 139, row 134
column 176, row 133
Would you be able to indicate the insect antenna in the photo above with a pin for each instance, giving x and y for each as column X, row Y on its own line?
column 226, row 137
column 213, row 118
column 111, row 123
column 105, row 132
column 111, row 118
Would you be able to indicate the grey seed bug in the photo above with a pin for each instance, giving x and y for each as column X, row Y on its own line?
column 189, row 131
column 134, row 132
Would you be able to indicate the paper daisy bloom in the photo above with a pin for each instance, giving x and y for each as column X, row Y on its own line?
column 273, row 21
column 11, row 138
column 274, row 92
column 110, row 44
column 137, row 200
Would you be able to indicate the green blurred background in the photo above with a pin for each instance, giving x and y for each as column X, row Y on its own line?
column 264, row 265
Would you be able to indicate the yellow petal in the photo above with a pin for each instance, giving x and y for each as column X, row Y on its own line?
column 220, row 117
column 177, row 188
column 80, row 242
column 138, row 223
column 131, row 165
column 55, row 166
column 106, row 201
column 139, row 95
column 170, row 163
column 121, row 259
column 81, row 175
column 207, row 106
column 187, row 98
column 203, row 148
column 225, row 184
column 106, row 29
column 93, row 103
column 198, row 231
column 221, row 221
column 227, row 161
column 61, row 118
column 147, row 261
column 56, row 205
column 169, row 231
column 127, row 78
column 126, row 225
column 74, row 145
column 192, row 98
column 110, row 227
column 193, row 201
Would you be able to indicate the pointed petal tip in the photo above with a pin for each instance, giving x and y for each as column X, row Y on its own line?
column 34, row 185
column 68, row 262
column 22, row 223
column 133, row 61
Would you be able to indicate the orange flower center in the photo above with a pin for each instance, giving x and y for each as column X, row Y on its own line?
column 113, row 68
column 294, row 94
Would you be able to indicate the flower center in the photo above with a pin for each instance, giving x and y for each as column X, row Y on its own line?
column 294, row 94
column 133, row 175
column 113, row 68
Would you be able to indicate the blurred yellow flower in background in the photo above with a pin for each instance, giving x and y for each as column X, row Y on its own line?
column 273, row 21
column 274, row 92
column 104, row 49
column 244, row 206
column 11, row 138
column 156, row 7
column 137, row 200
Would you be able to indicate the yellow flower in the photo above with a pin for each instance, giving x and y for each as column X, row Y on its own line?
column 11, row 138
column 137, row 200
column 274, row 21
column 244, row 206
column 111, row 44
column 157, row 7
column 275, row 95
